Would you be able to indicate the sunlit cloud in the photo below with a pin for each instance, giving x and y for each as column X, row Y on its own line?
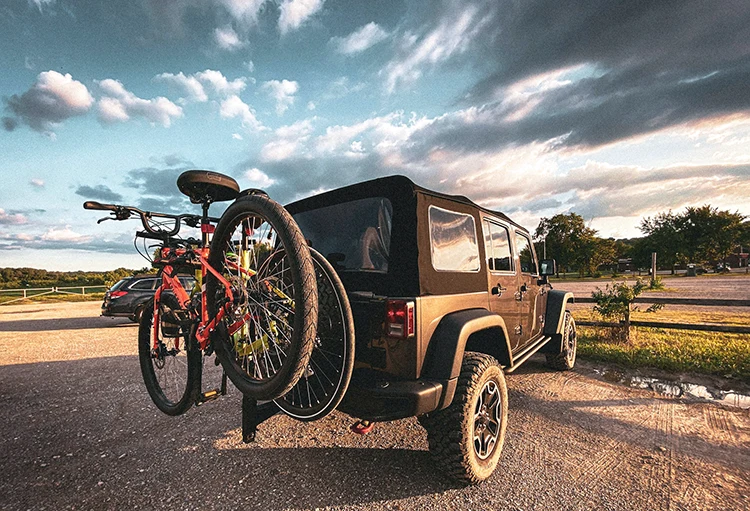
column 120, row 105
column 282, row 92
column 360, row 40
column 52, row 99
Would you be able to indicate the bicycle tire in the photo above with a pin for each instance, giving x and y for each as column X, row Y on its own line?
column 327, row 377
column 277, row 308
column 164, row 372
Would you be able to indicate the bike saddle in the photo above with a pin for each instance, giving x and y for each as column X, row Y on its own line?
column 207, row 186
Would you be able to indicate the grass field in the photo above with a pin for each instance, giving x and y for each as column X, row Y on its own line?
column 714, row 353
column 52, row 298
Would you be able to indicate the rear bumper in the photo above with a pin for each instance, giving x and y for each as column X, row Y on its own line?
column 373, row 396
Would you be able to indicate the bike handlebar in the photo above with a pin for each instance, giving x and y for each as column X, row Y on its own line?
column 125, row 212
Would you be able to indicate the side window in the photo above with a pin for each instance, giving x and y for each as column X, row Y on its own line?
column 497, row 246
column 453, row 241
column 143, row 284
column 525, row 254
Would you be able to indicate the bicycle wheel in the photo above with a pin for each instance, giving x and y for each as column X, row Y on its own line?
column 265, row 338
column 172, row 371
column 324, row 382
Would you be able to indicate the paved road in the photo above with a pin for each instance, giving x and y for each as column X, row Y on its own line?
column 79, row 432
column 731, row 288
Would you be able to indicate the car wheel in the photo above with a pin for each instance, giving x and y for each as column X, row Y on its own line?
column 566, row 359
column 466, row 439
column 138, row 314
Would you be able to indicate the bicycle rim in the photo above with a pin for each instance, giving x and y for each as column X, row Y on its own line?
column 169, row 370
column 327, row 376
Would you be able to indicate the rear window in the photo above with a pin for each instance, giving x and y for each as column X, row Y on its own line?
column 118, row 285
column 453, row 241
column 143, row 284
column 354, row 236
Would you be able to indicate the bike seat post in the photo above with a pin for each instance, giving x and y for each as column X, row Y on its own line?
column 206, row 229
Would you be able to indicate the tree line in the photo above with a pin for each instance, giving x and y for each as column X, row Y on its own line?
column 701, row 235
column 15, row 278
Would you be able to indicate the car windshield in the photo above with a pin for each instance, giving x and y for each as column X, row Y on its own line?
column 354, row 236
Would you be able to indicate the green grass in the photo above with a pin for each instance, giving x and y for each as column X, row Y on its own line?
column 711, row 353
column 673, row 315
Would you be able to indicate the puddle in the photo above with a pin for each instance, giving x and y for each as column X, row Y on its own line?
column 678, row 389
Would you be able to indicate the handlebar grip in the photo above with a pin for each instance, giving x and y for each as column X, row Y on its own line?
column 90, row 204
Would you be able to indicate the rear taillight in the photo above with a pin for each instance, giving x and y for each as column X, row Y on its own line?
column 117, row 294
column 399, row 320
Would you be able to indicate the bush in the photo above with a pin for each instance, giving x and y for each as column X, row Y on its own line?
column 615, row 302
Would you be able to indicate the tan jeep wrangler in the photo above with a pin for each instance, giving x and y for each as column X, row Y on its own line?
column 446, row 297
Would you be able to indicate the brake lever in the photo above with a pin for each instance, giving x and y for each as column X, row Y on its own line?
column 103, row 219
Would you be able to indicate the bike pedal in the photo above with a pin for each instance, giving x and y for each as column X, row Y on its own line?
column 209, row 396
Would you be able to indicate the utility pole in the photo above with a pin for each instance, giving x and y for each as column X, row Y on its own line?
column 653, row 269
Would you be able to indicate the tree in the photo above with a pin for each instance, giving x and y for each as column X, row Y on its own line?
column 710, row 235
column 599, row 251
column 568, row 240
column 665, row 236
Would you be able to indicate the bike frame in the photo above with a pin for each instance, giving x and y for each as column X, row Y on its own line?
column 169, row 281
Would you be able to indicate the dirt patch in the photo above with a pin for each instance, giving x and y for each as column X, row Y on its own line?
column 79, row 431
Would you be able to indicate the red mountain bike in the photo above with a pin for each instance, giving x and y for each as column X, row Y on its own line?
column 255, row 303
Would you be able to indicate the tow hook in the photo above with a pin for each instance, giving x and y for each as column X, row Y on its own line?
column 362, row 427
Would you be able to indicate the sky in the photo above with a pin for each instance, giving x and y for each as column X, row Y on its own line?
column 613, row 110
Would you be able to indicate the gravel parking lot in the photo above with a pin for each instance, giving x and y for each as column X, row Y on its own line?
column 80, row 432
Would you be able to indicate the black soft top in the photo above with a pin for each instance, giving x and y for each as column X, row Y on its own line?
column 410, row 270
column 393, row 187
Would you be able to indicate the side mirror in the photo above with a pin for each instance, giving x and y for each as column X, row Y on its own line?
column 548, row 267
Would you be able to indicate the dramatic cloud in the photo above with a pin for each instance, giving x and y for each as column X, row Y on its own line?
column 158, row 190
column 10, row 123
column 452, row 36
column 51, row 100
column 287, row 141
column 40, row 4
column 98, row 192
column 282, row 92
column 194, row 86
column 361, row 39
column 629, row 69
column 56, row 238
column 245, row 11
column 190, row 86
column 64, row 235
column 219, row 82
column 227, row 39
column 119, row 105
column 234, row 107
column 258, row 179
column 295, row 12
column 12, row 218
column 171, row 160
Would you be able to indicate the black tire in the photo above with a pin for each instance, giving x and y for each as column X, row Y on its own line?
column 466, row 439
column 277, row 308
column 138, row 313
column 566, row 359
column 326, row 379
column 173, row 374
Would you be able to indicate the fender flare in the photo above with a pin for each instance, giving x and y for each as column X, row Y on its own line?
column 446, row 349
column 557, row 301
